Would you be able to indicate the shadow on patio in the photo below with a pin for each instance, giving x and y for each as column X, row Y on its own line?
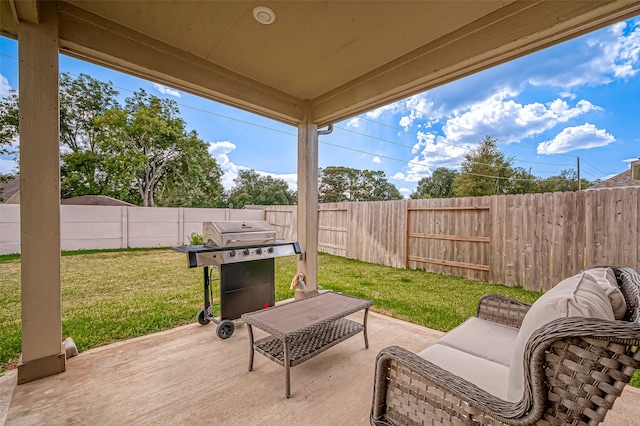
column 187, row 376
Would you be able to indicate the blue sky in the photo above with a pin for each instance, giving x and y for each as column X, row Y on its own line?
column 578, row 99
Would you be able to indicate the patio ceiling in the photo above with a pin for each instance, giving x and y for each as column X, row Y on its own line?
column 320, row 61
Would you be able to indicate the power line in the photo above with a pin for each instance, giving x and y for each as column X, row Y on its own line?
column 596, row 169
column 468, row 129
column 422, row 165
column 455, row 145
column 326, row 143
column 348, row 130
column 434, row 153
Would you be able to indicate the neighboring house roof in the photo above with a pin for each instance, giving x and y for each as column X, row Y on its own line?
column 9, row 189
column 94, row 200
column 622, row 180
column 11, row 195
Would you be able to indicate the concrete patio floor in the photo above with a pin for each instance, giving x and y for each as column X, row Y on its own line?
column 189, row 376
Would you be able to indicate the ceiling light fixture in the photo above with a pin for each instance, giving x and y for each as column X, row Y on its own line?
column 264, row 15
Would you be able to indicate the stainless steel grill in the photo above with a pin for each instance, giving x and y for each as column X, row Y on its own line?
column 237, row 233
column 244, row 251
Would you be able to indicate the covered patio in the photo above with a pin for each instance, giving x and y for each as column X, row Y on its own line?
column 189, row 376
column 307, row 64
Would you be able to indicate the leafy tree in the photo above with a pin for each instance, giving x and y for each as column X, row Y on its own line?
column 522, row 182
column 8, row 121
column 144, row 143
column 338, row 183
column 194, row 180
column 566, row 181
column 82, row 101
column 125, row 152
column 376, row 187
column 4, row 178
column 8, row 129
column 438, row 185
column 485, row 171
column 253, row 188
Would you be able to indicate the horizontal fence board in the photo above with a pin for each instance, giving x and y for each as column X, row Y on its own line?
column 153, row 230
column 9, row 213
column 204, row 215
column 153, row 242
column 10, row 233
column 452, row 208
column 245, row 214
column 332, row 228
column 9, row 247
column 333, row 246
column 90, row 214
column 451, row 238
column 152, row 215
column 450, row 263
column 90, row 231
column 91, row 244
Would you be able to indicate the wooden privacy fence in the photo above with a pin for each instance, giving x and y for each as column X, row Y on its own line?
column 533, row 240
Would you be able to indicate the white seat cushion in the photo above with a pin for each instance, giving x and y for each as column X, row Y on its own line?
column 484, row 339
column 606, row 279
column 576, row 296
column 487, row 375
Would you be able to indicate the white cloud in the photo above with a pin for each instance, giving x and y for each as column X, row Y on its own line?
column 376, row 113
column 167, row 90
column 290, row 178
column 433, row 152
column 415, row 170
column 221, row 150
column 509, row 120
column 612, row 53
column 5, row 87
column 579, row 137
column 8, row 166
column 419, row 106
column 624, row 52
column 377, row 160
column 405, row 192
column 354, row 122
column 629, row 160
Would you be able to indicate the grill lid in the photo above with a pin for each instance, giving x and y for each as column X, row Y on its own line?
column 237, row 233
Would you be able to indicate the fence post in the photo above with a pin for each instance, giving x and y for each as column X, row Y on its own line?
column 124, row 223
column 180, row 226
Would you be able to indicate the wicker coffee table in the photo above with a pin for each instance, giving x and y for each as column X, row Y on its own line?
column 300, row 330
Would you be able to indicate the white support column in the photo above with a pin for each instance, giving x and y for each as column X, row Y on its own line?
column 308, row 204
column 42, row 350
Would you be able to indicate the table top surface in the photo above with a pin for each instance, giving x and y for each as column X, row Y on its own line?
column 295, row 317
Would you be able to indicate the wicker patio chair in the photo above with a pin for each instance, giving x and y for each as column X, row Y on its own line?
column 575, row 368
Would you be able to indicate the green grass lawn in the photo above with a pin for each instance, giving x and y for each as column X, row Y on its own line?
column 110, row 296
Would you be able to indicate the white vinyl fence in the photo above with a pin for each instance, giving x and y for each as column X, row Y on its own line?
column 102, row 227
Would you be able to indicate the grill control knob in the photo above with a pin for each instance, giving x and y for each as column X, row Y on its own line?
column 258, row 251
column 270, row 249
column 246, row 252
column 232, row 253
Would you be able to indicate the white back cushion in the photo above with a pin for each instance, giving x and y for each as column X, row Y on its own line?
column 576, row 296
column 606, row 279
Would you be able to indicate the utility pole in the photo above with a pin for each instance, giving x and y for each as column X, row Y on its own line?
column 579, row 180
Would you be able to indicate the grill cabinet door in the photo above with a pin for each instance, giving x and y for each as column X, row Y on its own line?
column 246, row 287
